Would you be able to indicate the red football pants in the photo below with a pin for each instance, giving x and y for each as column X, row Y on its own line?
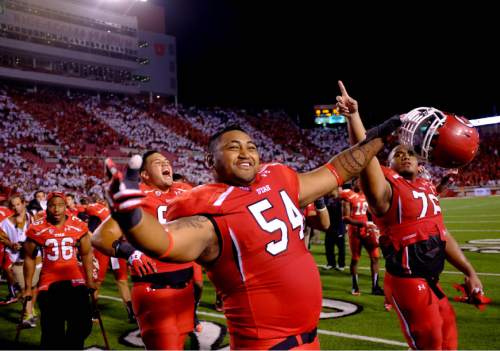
column 164, row 316
column 427, row 322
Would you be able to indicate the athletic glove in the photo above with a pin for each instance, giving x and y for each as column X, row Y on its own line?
column 476, row 298
column 123, row 193
column 141, row 264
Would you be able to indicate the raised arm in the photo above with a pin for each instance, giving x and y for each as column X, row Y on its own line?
column 376, row 188
column 346, row 165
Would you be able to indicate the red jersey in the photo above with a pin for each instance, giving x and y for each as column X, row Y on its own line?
column 309, row 209
column 268, row 280
column 98, row 210
column 414, row 212
column 414, row 220
column 157, row 205
column 5, row 212
column 358, row 203
column 59, row 247
column 75, row 211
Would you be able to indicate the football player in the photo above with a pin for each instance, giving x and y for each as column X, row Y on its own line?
column 62, row 282
column 163, row 295
column 414, row 240
column 354, row 215
column 247, row 231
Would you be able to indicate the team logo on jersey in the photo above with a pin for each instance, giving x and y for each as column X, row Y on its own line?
column 484, row 246
column 263, row 189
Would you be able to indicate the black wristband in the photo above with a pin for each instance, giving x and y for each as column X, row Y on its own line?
column 128, row 220
column 123, row 249
column 320, row 203
column 384, row 129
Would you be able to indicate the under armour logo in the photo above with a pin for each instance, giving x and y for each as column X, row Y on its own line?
column 421, row 287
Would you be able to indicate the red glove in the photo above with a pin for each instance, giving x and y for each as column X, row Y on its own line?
column 141, row 264
column 477, row 298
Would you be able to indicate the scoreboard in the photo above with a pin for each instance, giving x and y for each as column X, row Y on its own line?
column 327, row 114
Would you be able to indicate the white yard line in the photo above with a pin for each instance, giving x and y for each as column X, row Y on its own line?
column 320, row 331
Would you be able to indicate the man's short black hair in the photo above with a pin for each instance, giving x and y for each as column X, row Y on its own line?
column 177, row 177
column 213, row 139
column 70, row 195
column 145, row 157
column 38, row 191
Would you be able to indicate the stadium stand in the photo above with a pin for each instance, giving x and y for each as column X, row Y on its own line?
column 52, row 140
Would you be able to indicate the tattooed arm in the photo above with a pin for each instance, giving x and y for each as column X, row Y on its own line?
column 348, row 164
column 186, row 239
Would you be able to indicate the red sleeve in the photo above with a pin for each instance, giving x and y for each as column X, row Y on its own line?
column 81, row 225
column 309, row 208
column 85, row 228
column 31, row 233
column 344, row 194
column 198, row 201
column 80, row 208
column 184, row 186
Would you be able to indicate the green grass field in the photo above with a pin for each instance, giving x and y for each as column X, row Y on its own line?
column 373, row 327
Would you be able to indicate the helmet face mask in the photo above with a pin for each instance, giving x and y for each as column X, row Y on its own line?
column 441, row 138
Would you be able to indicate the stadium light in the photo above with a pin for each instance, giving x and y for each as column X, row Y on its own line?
column 485, row 121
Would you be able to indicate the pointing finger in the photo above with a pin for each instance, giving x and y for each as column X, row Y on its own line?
column 343, row 90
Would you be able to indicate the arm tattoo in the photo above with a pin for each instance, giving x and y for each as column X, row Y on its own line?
column 196, row 222
column 352, row 161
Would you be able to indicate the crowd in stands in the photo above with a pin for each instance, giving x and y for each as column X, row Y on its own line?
column 50, row 140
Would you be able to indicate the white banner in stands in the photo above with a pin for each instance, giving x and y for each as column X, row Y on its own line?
column 482, row 192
